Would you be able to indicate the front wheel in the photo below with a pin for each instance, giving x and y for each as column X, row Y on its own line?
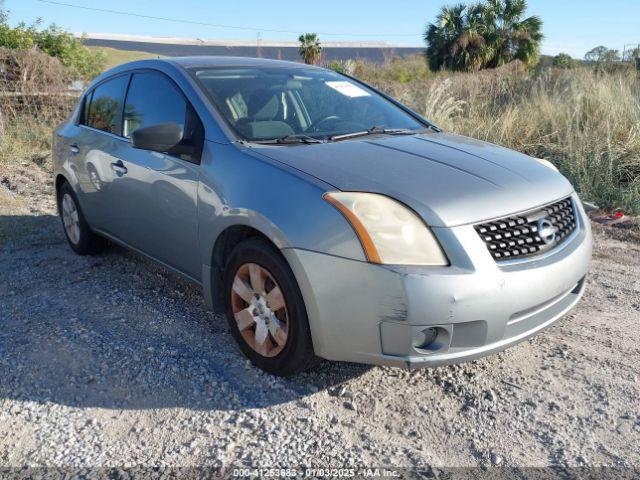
column 265, row 309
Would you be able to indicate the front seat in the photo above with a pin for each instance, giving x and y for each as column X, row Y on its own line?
column 265, row 116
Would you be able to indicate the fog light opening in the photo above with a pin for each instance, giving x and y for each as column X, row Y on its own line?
column 423, row 338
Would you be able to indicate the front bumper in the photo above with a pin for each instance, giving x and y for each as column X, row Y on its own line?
column 368, row 313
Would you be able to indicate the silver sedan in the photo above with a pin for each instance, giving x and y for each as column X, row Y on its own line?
column 326, row 219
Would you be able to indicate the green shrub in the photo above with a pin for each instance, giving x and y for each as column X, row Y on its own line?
column 337, row 66
column 563, row 60
column 398, row 70
column 20, row 37
column 71, row 51
column 54, row 41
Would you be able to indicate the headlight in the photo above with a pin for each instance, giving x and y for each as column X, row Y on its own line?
column 389, row 232
column 546, row 163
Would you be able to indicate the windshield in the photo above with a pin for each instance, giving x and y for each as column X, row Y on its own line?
column 282, row 103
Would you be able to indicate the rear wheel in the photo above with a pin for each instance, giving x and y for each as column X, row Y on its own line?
column 80, row 237
column 265, row 309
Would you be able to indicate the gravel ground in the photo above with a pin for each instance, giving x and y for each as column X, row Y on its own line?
column 113, row 361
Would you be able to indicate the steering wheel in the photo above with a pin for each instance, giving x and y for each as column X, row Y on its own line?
column 315, row 126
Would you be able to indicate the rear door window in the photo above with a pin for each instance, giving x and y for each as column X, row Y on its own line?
column 105, row 109
column 153, row 99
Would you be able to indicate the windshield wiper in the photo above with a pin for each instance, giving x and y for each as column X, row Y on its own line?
column 375, row 130
column 288, row 139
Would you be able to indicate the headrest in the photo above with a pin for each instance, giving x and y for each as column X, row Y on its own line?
column 263, row 105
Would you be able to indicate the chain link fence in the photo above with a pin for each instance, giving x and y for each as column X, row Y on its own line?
column 34, row 89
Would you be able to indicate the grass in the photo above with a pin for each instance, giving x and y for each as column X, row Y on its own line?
column 586, row 123
column 28, row 140
column 115, row 57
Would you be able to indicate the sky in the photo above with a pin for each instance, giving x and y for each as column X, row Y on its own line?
column 570, row 26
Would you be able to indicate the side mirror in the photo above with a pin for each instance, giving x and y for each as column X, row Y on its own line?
column 163, row 137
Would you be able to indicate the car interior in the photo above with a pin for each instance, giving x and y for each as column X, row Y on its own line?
column 286, row 105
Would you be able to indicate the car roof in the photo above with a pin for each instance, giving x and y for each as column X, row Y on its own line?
column 210, row 61
column 198, row 62
column 224, row 61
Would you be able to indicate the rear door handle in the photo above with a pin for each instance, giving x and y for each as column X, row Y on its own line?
column 74, row 148
column 119, row 167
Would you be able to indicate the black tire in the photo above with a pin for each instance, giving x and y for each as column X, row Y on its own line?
column 297, row 354
column 88, row 242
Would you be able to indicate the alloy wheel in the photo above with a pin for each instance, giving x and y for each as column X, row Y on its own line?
column 70, row 218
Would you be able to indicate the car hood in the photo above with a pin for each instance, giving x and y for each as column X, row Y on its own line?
column 448, row 179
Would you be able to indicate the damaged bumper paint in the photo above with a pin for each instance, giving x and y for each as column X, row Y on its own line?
column 384, row 314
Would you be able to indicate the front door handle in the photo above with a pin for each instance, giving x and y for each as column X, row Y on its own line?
column 119, row 167
column 74, row 148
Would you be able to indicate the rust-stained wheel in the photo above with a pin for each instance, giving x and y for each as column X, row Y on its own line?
column 265, row 309
column 259, row 309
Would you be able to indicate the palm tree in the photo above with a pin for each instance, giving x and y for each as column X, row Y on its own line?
column 456, row 41
column 310, row 48
column 509, row 35
column 444, row 39
column 483, row 35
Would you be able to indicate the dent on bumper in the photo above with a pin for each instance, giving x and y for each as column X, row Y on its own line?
column 369, row 313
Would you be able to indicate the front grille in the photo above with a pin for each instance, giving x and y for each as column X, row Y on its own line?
column 529, row 234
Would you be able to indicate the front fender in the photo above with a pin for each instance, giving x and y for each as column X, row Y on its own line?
column 237, row 188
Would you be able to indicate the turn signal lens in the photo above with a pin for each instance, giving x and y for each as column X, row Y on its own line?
column 389, row 232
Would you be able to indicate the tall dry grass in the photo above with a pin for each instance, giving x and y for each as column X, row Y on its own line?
column 586, row 123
